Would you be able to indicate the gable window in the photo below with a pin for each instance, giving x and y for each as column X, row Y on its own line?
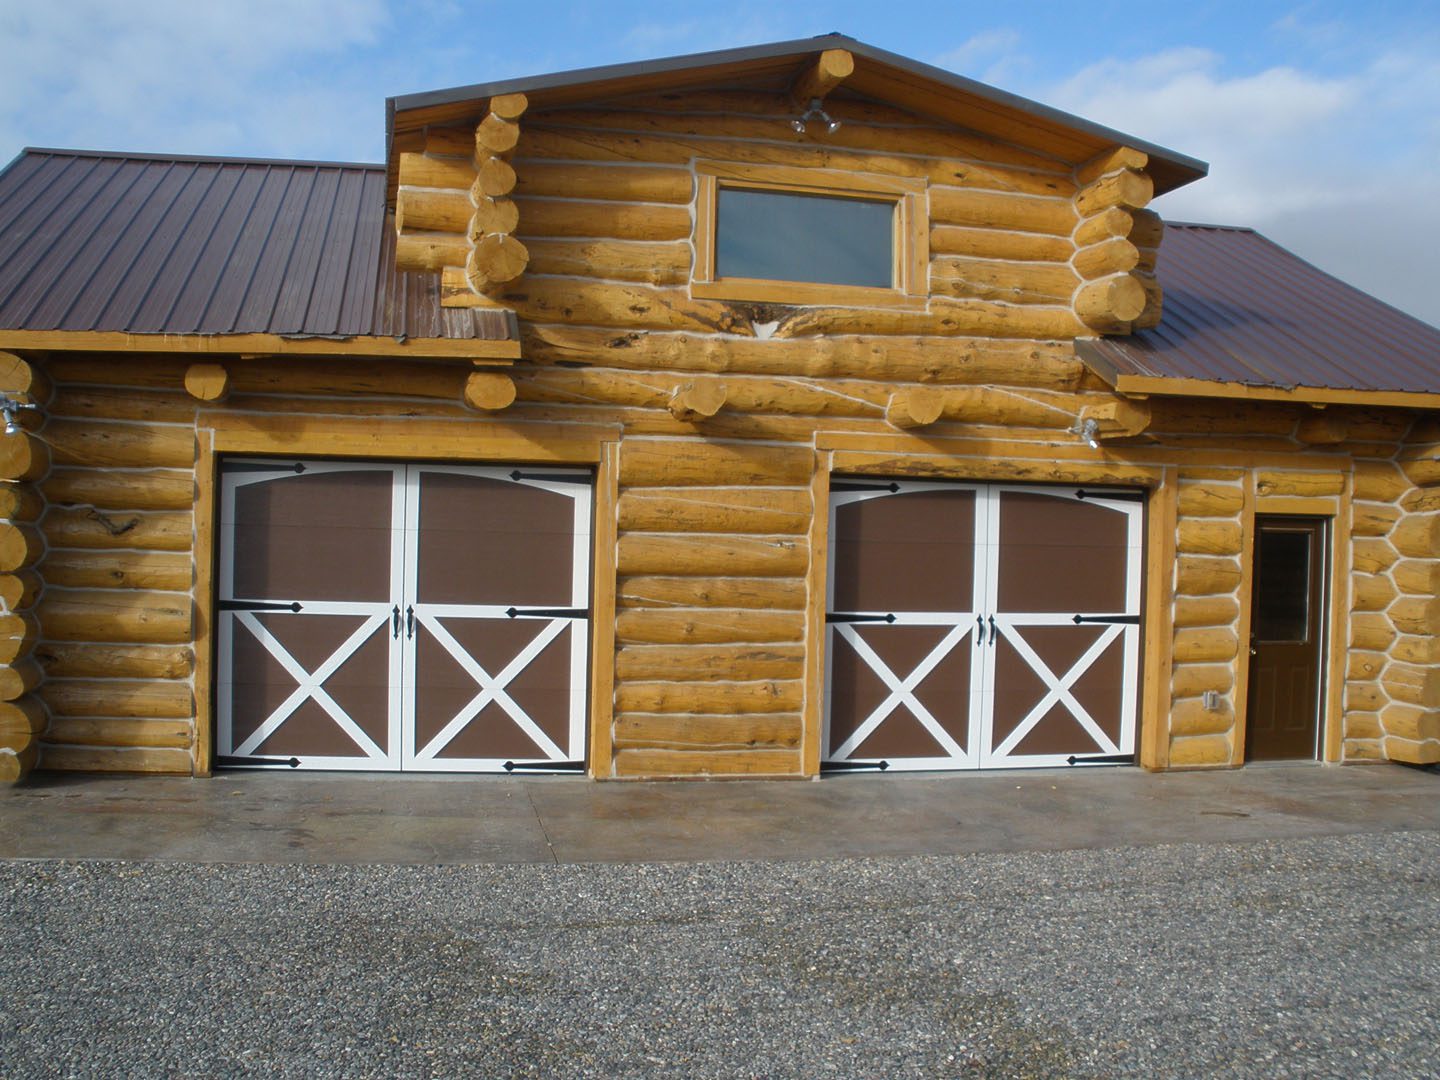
column 809, row 236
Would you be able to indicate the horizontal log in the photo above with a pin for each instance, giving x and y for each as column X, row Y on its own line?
column 707, row 731
column 771, row 593
column 1193, row 680
column 1111, row 300
column 1208, row 536
column 540, row 299
column 1323, row 429
column 450, row 142
column 945, row 317
column 1412, row 753
column 1410, row 649
column 1112, row 160
column 1209, row 499
column 20, row 501
column 1362, row 725
column 19, row 678
column 701, row 626
column 915, row 406
column 715, row 510
column 705, row 697
column 19, row 632
column 16, row 766
column 1364, row 697
column 1372, row 519
column 1148, row 232
column 1010, row 282
column 88, row 660
column 714, row 136
column 1200, row 750
column 147, row 759
column 660, row 263
column 1307, row 484
column 1421, row 501
column 165, row 571
column 1113, row 256
column 1204, row 646
column 658, row 763
column 822, row 75
column 1371, row 592
column 171, row 405
column 1190, row 717
column 617, row 183
column 119, row 616
column 964, row 206
column 982, row 243
column 1370, row 556
column 1363, row 665
column 936, row 360
column 703, row 554
column 1410, row 721
column 23, row 457
column 1413, row 684
column 77, row 442
column 121, row 489
column 697, row 399
column 668, row 463
column 21, row 379
column 495, row 135
column 1126, row 188
column 492, row 215
column 1372, row 633
column 110, row 731
column 1113, row 223
column 418, row 170
column 207, row 382
column 494, row 177
column 509, row 106
column 1206, row 610
column 1417, row 536
column 1415, row 615
column 489, row 390
column 1423, row 471
column 607, row 220
column 1417, row 576
column 148, row 698
column 430, row 251
column 20, row 546
column 25, row 716
column 20, row 590
column 423, row 210
column 1203, row 576
column 77, row 527
column 1378, row 481
column 701, row 663
column 494, row 260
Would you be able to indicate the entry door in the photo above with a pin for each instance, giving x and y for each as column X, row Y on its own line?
column 981, row 626
column 1286, row 632
column 389, row 616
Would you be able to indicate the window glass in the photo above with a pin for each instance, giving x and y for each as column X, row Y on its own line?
column 1282, row 609
column 780, row 236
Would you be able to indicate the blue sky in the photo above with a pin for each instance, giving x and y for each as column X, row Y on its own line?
column 1321, row 121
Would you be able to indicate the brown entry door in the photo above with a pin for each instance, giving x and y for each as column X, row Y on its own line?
column 1286, row 637
column 384, row 616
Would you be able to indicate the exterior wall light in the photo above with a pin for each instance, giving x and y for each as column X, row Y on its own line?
column 815, row 110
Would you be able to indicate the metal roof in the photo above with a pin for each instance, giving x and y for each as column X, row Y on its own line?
column 880, row 74
column 145, row 244
column 1241, row 309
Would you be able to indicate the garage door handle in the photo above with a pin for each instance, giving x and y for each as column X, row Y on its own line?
column 992, row 629
column 979, row 631
column 396, row 614
column 410, row 622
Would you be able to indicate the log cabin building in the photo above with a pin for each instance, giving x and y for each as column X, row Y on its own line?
column 754, row 413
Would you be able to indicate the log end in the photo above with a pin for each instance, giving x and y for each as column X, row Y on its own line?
column 208, row 382
column 914, row 407
column 489, row 390
column 1102, row 304
column 697, row 400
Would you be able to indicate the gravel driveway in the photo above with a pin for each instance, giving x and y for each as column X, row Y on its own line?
column 1280, row 958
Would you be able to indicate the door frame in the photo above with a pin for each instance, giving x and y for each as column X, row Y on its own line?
column 473, row 442
column 1326, row 716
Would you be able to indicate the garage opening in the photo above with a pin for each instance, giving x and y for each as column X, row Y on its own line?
column 981, row 626
column 383, row 616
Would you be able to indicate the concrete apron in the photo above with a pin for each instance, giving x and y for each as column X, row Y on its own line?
column 349, row 818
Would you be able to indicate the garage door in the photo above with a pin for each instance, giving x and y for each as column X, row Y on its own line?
column 390, row 616
column 981, row 625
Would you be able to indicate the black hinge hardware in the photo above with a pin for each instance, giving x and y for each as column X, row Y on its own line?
column 544, row 766
column 258, row 605
column 1128, row 620
column 409, row 622
column 1118, row 496
column 846, row 485
column 840, row 616
column 559, row 478
column 257, row 466
column 548, row 613
column 395, row 615
column 853, row 766
column 1101, row 759
column 262, row 762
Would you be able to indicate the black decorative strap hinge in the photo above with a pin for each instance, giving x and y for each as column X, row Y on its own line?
column 557, row 478
column 258, row 762
column 548, row 613
column 544, row 766
column 259, row 605
column 1100, row 759
column 1128, row 620
column 263, row 466
column 1117, row 496
column 841, row 616
column 853, row 766
column 848, row 485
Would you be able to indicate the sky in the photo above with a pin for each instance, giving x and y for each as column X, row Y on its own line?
column 1320, row 121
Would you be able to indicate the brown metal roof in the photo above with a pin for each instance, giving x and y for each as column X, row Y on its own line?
column 1241, row 309
column 879, row 74
column 143, row 244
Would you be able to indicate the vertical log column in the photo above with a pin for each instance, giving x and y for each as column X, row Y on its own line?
column 496, row 257
column 24, row 459
column 1117, row 290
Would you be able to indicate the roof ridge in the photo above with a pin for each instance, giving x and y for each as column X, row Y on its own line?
column 1208, row 225
column 125, row 155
